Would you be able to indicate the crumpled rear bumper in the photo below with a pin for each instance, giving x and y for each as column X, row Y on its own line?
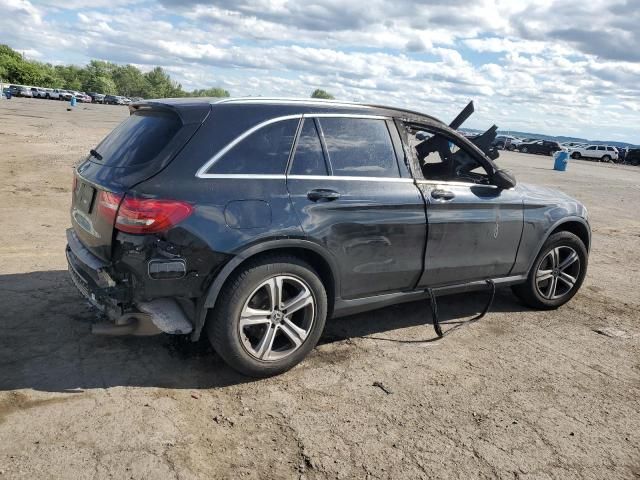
column 91, row 277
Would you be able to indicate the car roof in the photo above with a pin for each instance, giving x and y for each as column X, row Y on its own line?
column 293, row 103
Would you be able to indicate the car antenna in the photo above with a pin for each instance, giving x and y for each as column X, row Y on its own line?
column 95, row 154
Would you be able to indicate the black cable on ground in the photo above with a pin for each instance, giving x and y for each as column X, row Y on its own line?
column 434, row 313
column 434, row 310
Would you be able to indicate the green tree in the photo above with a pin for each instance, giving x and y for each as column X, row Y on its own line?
column 319, row 93
column 129, row 81
column 96, row 76
column 101, row 84
column 160, row 85
column 71, row 76
column 209, row 92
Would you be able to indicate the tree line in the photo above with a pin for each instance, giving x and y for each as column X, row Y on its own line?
column 102, row 77
column 97, row 76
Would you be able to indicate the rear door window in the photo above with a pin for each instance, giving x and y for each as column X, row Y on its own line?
column 359, row 147
column 309, row 158
column 264, row 151
column 137, row 140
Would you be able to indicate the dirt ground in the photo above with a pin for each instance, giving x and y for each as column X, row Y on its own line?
column 519, row 394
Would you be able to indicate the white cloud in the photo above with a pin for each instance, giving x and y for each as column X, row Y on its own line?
column 529, row 64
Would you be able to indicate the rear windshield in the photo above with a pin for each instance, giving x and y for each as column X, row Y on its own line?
column 138, row 139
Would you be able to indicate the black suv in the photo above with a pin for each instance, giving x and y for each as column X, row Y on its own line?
column 544, row 147
column 255, row 219
column 632, row 156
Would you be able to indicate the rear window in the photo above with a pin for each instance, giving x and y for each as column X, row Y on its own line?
column 264, row 151
column 137, row 140
column 359, row 147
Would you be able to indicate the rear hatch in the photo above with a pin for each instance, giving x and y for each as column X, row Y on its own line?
column 133, row 152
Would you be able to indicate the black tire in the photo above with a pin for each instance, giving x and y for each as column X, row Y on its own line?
column 223, row 323
column 575, row 155
column 530, row 293
column 524, row 150
column 606, row 158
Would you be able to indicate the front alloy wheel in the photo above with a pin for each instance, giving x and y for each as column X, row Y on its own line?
column 557, row 273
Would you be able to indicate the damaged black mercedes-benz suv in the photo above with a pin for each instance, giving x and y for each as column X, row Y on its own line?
column 254, row 220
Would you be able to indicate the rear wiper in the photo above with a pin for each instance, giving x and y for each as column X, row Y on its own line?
column 95, row 154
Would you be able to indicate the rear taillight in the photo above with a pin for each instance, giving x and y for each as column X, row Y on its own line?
column 147, row 215
column 108, row 205
column 74, row 186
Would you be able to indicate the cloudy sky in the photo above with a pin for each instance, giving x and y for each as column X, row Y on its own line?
column 549, row 66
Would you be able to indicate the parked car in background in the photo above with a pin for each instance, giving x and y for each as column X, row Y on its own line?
column 571, row 145
column 96, row 97
column 82, row 97
column 56, row 94
column 65, row 94
column 506, row 142
column 544, row 147
column 15, row 90
column 633, row 156
column 604, row 153
column 23, row 91
column 37, row 92
column 112, row 100
column 258, row 244
column 53, row 94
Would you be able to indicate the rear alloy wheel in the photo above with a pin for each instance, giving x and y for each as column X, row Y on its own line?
column 269, row 316
column 575, row 155
column 557, row 273
column 524, row 150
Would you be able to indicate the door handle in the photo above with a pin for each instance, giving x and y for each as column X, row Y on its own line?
column 441, row 194
column 323, row 195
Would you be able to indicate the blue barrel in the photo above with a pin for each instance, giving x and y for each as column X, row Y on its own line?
column 73, row 101
column 561, row 160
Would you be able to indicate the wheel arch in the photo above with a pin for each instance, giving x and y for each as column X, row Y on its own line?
column 576, row 225
column 578, row 228
column 306, row 250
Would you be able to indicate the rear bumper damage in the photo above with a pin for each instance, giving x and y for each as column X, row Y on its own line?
column 112, row 297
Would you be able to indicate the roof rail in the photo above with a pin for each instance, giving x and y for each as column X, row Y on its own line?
column 318, row 101
column 284, row 100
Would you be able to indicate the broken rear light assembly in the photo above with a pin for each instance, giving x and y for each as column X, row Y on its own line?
column 108, row 203
column 150, row 215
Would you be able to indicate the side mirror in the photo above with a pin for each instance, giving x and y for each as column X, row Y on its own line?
column 503, row 179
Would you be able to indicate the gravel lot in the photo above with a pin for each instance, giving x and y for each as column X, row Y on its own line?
column 519, row 394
